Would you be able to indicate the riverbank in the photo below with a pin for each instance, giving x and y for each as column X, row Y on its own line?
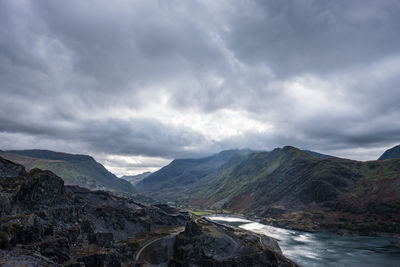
column 307, row 222
column 323, row 248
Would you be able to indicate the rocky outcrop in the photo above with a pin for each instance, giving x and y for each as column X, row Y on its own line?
column 204, row 243
column 43, row 218
column 9, row 169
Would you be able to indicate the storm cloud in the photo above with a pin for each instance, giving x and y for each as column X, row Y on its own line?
column 138, row 83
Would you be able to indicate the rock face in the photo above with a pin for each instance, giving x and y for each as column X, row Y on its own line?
column 205, row 243
column 9, row 169
column 45, row 223
column 68, row 224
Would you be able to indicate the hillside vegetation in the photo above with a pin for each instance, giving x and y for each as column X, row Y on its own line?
column 292, row 188
column 79, row 170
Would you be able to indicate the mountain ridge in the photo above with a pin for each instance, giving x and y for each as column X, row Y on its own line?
column 74, row 169
column 291, row 188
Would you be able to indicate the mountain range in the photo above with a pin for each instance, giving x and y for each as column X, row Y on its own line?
column 287, row 187
column 74, row 169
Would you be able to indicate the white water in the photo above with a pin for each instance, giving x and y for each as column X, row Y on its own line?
column 325, row 249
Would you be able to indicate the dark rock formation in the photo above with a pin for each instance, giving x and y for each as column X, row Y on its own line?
column 204, row 243
column 68, row 224
column 9, row 169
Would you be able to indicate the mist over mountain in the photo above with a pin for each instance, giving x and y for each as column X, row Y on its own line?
column 183, row 173
column 134, row 179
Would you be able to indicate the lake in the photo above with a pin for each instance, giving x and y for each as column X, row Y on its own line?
column 324, row 249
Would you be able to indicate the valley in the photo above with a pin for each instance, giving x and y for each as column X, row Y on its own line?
column 303, row 205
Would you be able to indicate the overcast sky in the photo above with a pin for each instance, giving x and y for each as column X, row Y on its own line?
column 138, row 83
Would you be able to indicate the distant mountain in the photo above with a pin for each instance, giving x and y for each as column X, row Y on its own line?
column 393, row 153
column 79, row 170
column 182, row 174
column 134, row 179
column 292, row 188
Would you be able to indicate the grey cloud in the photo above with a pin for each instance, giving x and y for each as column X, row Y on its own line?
column 315, row 36
column 68, row 71
column 118, row 137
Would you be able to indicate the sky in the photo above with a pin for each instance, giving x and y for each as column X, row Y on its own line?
column 138, row 83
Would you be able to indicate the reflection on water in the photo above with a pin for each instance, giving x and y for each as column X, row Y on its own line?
column 325, row 249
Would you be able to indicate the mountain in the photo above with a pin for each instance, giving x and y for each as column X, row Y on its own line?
column 292, row 188
column 134, row 179
column 181, row 174
column 318, row 155
column 392, row 153
column 79, row 170
column 43, row 222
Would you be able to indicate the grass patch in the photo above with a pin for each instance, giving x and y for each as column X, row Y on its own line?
column 201, row 212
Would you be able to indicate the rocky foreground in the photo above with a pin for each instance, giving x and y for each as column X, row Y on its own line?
column 45, row 223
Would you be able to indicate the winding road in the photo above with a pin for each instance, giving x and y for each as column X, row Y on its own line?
column 149, row 243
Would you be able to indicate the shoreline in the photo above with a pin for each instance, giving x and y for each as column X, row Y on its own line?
column 338, row 232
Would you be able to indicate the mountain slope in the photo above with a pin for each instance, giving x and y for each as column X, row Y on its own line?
column 134, row 179
column 289, row 187
column 318, row 155
column 182, row 174
column 392, row 153
column 79, row 170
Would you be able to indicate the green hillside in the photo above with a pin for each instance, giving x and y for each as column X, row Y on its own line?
column 182, row 174
column 292, row 188
column 79, row 170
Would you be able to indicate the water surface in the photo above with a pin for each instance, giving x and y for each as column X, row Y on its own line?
column 325, row 249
